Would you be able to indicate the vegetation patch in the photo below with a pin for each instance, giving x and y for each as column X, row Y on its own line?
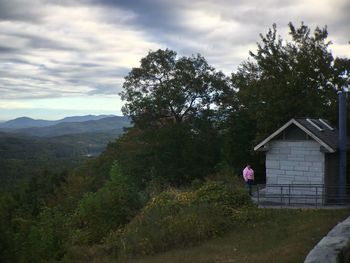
column 180, row 218
column 271, row 236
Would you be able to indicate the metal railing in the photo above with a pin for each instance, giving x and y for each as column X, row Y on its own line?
column 301, row 194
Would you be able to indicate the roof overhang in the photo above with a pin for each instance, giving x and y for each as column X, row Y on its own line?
column 295, row 122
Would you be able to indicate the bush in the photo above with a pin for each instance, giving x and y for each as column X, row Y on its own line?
column 179, row 218
column 222, row 193
column 110, row 207
column 46, row 236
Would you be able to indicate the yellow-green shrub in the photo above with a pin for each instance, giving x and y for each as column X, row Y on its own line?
column 221, row 193
column 178, row 218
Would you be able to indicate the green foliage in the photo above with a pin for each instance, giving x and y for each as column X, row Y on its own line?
column 171, row 102
column 23, row 157
column 168, row 88
column 221, row 193
column 283, row 79
column 287, row 79
column 174, row 154
column 239, row 137
column 7, row 244
column 180, row 218
column 110, row 207
column 45, row 240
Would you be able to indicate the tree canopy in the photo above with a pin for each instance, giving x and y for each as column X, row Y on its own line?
column 282, row 79
column 167, row 87
column 173, row 102
column 285, row 79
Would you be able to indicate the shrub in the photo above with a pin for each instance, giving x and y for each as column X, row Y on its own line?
column 222, row 193
column 45, row 239
column 179, row 218
column 110, row 207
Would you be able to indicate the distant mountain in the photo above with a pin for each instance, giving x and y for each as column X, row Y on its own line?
column 85, row 118
column 26, row 122
column 113, row 125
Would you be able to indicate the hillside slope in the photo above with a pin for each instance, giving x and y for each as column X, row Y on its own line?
column 113, row 125
column 26, row 122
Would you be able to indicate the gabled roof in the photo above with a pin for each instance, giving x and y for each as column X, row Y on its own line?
column 318, row 129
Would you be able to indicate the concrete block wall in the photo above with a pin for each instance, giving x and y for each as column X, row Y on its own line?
column 294, row 162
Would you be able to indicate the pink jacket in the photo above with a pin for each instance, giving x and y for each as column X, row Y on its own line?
column 248, row 173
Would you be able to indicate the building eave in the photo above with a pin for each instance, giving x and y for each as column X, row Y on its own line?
column 286, row 125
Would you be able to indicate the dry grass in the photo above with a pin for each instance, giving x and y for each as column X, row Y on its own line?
column 283, row 236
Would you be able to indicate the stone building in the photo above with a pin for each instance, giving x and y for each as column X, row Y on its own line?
column 302, row 161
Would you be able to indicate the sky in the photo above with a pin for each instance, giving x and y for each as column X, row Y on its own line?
column 69, row 57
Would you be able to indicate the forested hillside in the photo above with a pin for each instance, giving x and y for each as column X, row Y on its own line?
column 56, row 148
column 26, row 122
column 112, row 125
column 172, row 179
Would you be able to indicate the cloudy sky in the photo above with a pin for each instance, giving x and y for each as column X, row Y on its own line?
column 69, row 57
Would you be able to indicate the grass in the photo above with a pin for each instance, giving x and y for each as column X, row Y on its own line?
column 278, row 236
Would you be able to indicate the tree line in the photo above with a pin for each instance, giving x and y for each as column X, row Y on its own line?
column 190, row 119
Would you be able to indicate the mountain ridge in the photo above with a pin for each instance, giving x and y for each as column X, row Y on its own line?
column 27, row 122
column 112, row 125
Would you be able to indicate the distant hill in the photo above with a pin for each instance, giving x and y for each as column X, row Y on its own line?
column 87, row 144
column 112, row 125
column 26, row 122
column 27, row 152
column 25, row 147
column 19, row 146
column 86, row 118
column 23, row 156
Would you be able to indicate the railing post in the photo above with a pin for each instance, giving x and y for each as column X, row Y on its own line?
column 289, row 194
column 323, row 194
column 281, row 194
column 258, row 188
column 316, row 194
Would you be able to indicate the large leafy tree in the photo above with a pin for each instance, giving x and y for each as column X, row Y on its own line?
column 173, row 103
column 282, row 80
column 286, row 79
column 167, row 87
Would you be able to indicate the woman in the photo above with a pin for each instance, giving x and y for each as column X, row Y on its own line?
column 248, row 176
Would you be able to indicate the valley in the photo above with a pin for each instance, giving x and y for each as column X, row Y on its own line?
column 28, row 147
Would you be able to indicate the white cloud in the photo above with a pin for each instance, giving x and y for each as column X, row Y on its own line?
column 71, row 53
column 82, row 49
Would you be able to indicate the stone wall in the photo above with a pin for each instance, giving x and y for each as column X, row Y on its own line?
column 333, row 248
column 295, row 162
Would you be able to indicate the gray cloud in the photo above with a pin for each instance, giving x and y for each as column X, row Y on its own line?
column 4, row 49
column 152, row 14
column 21, row 10
column 59, row 48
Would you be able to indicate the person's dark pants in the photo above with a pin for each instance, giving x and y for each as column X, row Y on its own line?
column 249, row 185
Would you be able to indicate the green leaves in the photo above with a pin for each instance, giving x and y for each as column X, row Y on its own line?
column 181, row 218
column 287, row 79
column 165, row 86
column 110, row 207
column 173, row 103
